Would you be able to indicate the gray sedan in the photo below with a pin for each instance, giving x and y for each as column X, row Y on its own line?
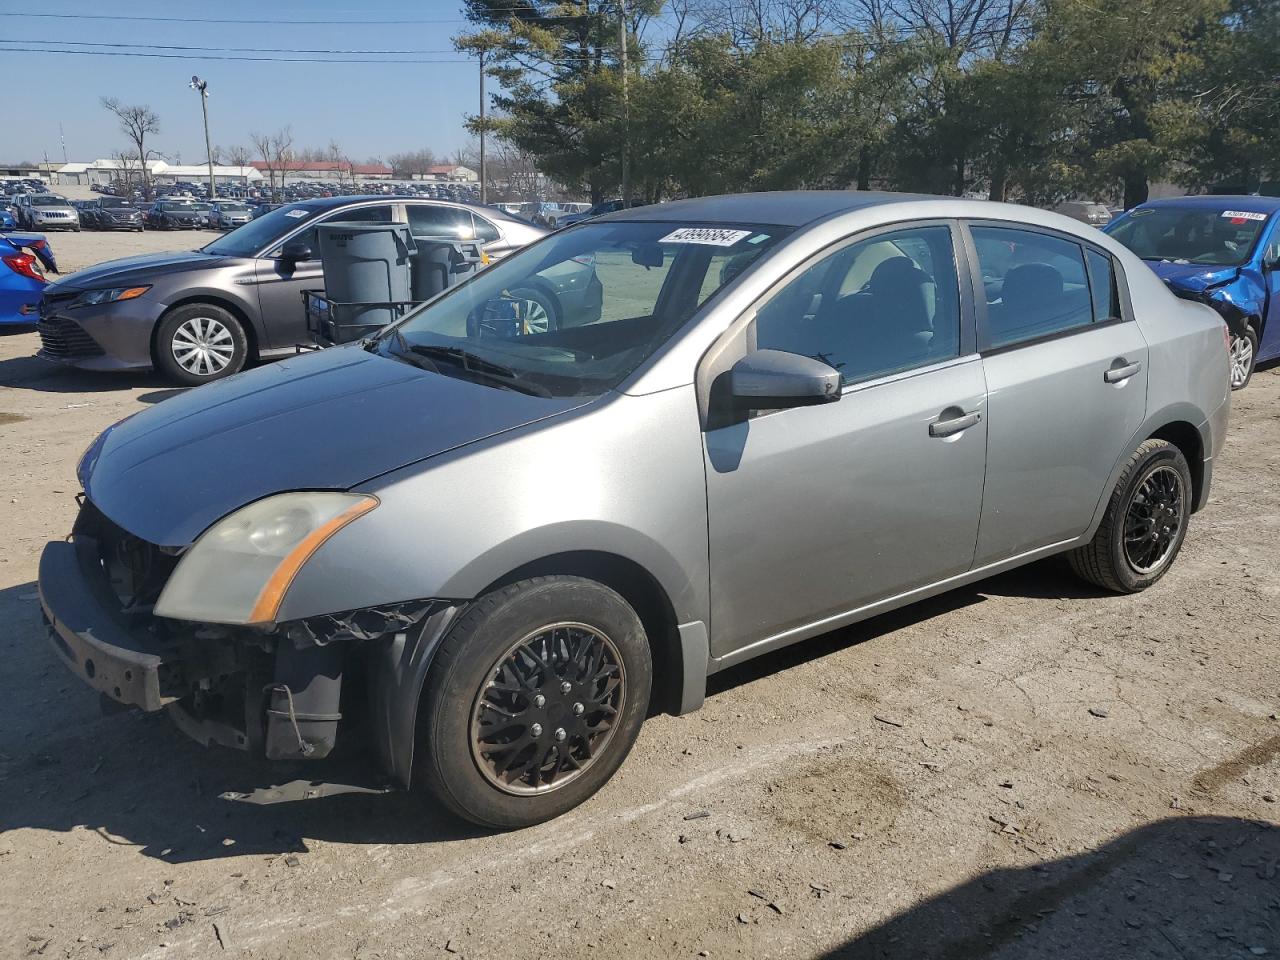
column 199, row 315
column 790, row 412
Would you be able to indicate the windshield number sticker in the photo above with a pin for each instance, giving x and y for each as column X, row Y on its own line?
column 711, row 236
column 296, row 213
column 1243, row 215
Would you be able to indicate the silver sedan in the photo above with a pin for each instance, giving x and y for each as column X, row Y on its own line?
column 784, row 414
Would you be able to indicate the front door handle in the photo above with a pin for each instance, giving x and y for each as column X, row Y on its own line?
column 946, row 428
column 1122, row 372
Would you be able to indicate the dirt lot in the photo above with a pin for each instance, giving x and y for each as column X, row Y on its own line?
column 1021, row 769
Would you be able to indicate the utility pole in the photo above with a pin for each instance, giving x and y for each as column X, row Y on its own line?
column 202, row 87
column 484, row 179
column 626, row 102
column 63, row 137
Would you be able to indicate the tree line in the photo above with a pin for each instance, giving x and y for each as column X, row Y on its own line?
column 1027, row 100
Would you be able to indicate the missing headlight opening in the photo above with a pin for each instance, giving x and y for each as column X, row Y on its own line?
column 272, row 691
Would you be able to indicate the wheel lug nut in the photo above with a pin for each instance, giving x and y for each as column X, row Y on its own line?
column 566, row 687
column 536, row 730
column 577, row 709
column 560, row 734
column 539, row 701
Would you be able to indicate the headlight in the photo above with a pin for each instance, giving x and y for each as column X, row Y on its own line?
column 111, row 295
column 239, row 569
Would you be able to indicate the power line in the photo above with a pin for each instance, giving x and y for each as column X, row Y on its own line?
column 201, row 56
column 350, row 21
column 168, row 46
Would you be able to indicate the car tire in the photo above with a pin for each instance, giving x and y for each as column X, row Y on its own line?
column 560, row 656
column 199, row 343
column 541, row 308
column 1244, row 355
column 1145, row 523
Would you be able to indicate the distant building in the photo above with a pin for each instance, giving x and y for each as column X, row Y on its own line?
column 326, row 170
column 451, row 172
column 103, row 171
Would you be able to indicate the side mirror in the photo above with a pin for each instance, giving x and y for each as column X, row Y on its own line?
column 777, row 380
column 296, row 251
column 646, row 255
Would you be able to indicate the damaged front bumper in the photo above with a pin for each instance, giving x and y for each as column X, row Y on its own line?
column 276, row 692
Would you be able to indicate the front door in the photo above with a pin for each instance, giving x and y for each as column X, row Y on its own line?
column 1066, row 386
column 281, row 282
column 816, row 511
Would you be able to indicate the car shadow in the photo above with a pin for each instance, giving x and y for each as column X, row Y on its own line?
column 134, row 780
column 45, row 376
column 1172, row 890
column 1049, row 579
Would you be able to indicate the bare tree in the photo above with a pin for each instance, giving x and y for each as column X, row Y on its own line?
column 137, row 121
column 406, row 166
column 337, row 156
column 130, row 175
column 238, row 156
column 276, row 150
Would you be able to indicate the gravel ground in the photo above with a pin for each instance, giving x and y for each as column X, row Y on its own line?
column 1024, row 768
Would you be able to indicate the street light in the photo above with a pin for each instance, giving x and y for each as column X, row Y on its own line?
column 202, row 87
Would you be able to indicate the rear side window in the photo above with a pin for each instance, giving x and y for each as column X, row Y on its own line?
column 430, row 220
column 486, row 232
column 1102, row 287
column 1035, row 285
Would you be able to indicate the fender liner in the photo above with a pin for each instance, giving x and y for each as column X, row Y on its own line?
column 398, row 670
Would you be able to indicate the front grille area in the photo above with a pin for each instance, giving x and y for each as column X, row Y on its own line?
column 63, row 339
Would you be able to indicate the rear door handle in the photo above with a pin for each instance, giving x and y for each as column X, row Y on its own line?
column 946, row 428
column 1116, row 374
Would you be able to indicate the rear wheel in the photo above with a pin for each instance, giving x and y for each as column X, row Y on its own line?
column 538, row 310
column 1145, row 523
column 200, row 342
column 533, row 701
column 1244, row 352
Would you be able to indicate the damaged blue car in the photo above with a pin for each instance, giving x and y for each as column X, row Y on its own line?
column 1224, row 251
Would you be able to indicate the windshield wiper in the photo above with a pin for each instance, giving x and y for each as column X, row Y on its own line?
column 479, row 366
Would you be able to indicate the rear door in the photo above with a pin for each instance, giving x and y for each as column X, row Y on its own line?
column 1066, row 371
column 1269, row 348
column 281, row 282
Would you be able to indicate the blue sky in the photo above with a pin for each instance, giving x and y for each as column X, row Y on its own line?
column 370, row 109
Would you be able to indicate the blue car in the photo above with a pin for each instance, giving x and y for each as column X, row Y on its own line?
column 1224, row 251
column 24, row 258
column 7, row 220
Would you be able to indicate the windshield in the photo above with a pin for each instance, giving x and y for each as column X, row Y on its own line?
column 202, row 207
column 46, row 200
column 115, row 202
column 232, row 208
column 1200, row 235
column 247, row 240
column 576, row 313
column 173, row 205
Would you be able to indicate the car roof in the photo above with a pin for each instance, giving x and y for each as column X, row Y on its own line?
column 1250, row 204
column 331, row 203
column 792, row 208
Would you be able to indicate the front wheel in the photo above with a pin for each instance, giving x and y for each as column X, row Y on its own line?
column 538, row 310
column 1244, row 352
column 198, row 343
column 1145, row 523
column 533, row 701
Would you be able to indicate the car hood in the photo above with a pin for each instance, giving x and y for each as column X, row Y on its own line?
column 1192, row 276
column 321, row 421
column 145, row 268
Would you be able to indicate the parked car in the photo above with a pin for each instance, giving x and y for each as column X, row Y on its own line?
column 111, row 213
column 229, row 214
column 172, row 215
column 205, row 218
column 789, row 415
column 24, row 259
column 8, row 221
column 1225, row 250
column 599, row 210
column 1086, row 211
column 199, row 315
column 46, row 211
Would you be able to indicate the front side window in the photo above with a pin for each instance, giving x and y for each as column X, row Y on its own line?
column 1035, row 284
column 433, row 220
column 577, row 312
column 877, row 307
